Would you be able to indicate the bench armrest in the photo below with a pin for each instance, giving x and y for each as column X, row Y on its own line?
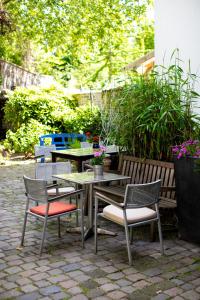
column 168, row 188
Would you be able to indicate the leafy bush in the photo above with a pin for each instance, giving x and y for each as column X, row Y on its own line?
column 24, row 139
column 35, row 103
column 31, row 112
column 80, row 119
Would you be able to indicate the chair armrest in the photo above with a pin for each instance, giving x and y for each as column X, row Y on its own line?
column 108, row 200
column 38, row 156
column 52, row 185
column 65, row 195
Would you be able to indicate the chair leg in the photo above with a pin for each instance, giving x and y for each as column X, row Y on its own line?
column 127, row 239
column 23, row 230
column 77, row 223
column 95, row 225
column 160, row 237
column 131, row 235
column 152, row 232
column 82, row 226
column 43, row 235
column 159, row 229
column 59, row 231
column 128, row 246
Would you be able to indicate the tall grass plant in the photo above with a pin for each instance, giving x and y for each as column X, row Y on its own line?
column 153, row 112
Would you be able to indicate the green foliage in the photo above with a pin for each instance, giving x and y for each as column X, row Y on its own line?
column 80, row 119
column 24, row 139
column 153, row 112
column 51, row 109
column 102, row 36
column 41, row 104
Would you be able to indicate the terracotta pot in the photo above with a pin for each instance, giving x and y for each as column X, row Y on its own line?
column 106, row 164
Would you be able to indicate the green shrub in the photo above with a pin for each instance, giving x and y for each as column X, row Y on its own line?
column 30, row 113
column 24, row 139
column 80, row 119
column 41, row 104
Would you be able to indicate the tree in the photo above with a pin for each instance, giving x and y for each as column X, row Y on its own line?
column 90, row 40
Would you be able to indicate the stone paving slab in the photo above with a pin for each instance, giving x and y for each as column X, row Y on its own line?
column 66, row 271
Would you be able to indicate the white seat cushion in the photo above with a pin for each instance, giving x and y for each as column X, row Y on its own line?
column 134, row 215
column 63, row 190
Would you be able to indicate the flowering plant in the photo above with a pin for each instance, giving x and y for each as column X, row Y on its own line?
column 99, row 156
column 90, row 138
column 188, row 148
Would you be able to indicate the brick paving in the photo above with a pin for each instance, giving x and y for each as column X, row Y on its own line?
column 66, row 271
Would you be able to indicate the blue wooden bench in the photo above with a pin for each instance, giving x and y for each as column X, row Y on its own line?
column 62, row 140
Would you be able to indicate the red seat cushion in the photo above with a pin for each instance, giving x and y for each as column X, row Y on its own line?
column 55, row 208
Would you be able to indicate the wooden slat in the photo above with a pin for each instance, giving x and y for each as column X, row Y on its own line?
column 147, row 170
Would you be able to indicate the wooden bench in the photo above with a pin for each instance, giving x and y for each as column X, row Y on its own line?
column 144, row 171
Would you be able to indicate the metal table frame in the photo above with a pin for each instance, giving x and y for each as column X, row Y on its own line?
column 87, row 178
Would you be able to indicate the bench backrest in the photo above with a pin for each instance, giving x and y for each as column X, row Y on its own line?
column 62, row 140
column 147, row 170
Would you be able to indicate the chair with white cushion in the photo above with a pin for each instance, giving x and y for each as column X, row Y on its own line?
column 46, row 171
column 50, row 207
column 135, row 210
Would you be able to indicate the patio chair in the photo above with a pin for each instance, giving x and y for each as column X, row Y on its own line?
column 86, row 164
column 133, row 211
column 36, row 191
column 46, row 171
column 43, row 153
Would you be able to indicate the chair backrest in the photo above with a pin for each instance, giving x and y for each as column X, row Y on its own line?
column 141, row 195
column 36, row 189
column 62, row 140
column 47, row 170
column 44, row 150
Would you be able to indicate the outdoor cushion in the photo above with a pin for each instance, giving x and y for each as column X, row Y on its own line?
column 134, row 215
column 54, row 208
column 63, row 190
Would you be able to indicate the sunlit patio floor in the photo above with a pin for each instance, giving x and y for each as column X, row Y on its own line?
column 66, row 271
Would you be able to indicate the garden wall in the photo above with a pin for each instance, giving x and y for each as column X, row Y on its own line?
column 12, row 75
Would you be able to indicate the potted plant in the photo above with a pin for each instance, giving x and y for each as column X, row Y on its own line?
column 187, row 177
column 97, row 161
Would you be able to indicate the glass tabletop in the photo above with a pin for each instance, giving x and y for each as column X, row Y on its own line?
column 88, row 177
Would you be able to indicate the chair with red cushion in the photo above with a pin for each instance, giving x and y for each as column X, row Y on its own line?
column 49, row 207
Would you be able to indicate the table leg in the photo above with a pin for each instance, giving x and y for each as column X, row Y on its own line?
column 53, row 157
column 79, row 165
column 89, row 232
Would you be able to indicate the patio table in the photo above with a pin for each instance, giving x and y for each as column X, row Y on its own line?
column 87, row 178
column 80, row 155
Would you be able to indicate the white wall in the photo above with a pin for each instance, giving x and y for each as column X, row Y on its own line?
column 177, row 25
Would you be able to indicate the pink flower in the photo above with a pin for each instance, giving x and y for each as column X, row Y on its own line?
column 103, row 148
column 97, row 154
column 187, row 148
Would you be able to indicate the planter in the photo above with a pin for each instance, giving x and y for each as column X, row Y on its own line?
column 98, row 171
column 187, row 179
